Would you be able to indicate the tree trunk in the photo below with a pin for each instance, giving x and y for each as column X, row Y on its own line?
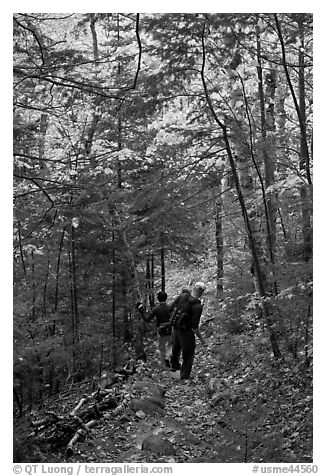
column 136, row 294
column 304, row 154
column 300, row 108
column 21, row 250
column 19, row 402
column 162, row 268
column 218, row 213
column 126, row 330
column 148, row 281
column 96, row 117
column 33, row 288
column 56, row 296
column 259, row 275
column 268, row 146
column 114, row 337
column 41, row 144
column 152, row 279
column 74, row 307
column 119, row 134
column 46, row 280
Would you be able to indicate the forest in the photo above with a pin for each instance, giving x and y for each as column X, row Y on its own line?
column 152, row 151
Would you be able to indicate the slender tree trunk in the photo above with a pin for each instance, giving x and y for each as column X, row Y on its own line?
column 114, row 337
column 33, row 288
column 136, row 294
column 307, row 326
column 284, row 230
column 56, row 296
column 46, row 280
column 21, row 250
column 218, row 213
column 74, row 306
column 119, row 174
column 301, row 118
column 304, row 153
column 149, row 286
column 100, row 369
column 41, row 144
column 126, row 330
column 96, row 116
column 152, row 279
column 281, row 146
column 19, row 402
column 269, row 151
column 148, row 281
column 162, row 267
column 300, row 108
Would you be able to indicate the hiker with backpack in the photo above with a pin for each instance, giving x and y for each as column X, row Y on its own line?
column 186, row 311
column 163, row 326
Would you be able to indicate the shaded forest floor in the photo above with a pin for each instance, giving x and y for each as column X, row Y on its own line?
column 239, row 407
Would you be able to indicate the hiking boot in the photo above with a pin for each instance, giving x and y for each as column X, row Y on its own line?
column 167, row 363
column 174, row 368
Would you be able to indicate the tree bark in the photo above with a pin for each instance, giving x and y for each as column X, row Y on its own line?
column 41, row 145
column 33, row 288
column 162, row 256
column 218, row 213
column 268, row 146
column 56, row 297
column 96, row 117
column 301, row 117
column 74, row 307
column 136, row 294
column 304, row 154
column 46, row 280
column 21, row 250
column 114, row 337
column 126, row 330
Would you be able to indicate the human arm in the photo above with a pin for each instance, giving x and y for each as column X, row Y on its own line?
column 147, row 317
column 196, row 314
column 150, row 316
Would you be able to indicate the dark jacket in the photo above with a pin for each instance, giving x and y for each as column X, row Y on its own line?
column 193, row 306
column 160, row 312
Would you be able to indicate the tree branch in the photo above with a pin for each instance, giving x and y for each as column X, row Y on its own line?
column 295, row 101
column 35, row 36
column 139, row 53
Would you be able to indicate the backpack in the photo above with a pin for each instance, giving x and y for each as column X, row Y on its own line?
column 181, row 314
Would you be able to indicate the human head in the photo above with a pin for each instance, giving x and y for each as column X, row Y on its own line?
column 185, row 291
column 162, row 296
column 199, row 289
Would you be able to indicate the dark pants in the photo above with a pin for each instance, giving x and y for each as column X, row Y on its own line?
column 183, row 341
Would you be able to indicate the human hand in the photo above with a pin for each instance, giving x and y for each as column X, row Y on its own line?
column 139, row 306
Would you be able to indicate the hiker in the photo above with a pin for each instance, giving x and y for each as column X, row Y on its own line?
column 185, row 311
column 163, row 327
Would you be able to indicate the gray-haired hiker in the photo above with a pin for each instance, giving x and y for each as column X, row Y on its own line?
column 186, row 310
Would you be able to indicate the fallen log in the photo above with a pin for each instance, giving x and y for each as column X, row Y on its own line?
column 60, row 431
column 80, row 434
column 80, row 404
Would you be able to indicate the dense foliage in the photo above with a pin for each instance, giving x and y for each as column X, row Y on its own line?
column 150, row 147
